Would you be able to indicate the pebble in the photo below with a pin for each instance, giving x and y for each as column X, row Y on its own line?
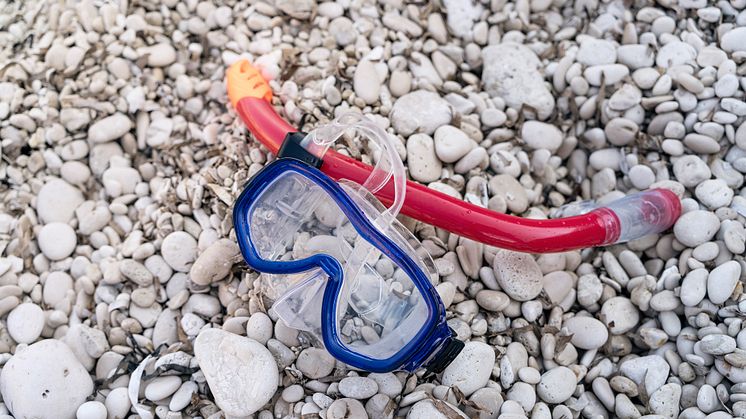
column 57, row 241
column 427, row 409
column 366, row 82
column 241, row 373
column 696, row 227
column 540, row 135
column 471, row 369
column 161, row 55
column 110, row 128
column 315, row 363
column 25, row 323
column 179, row 250
column 45, row 380
column 596, row 51
column 511, row 73
column 451, row 143
column 422, row 161
column 419, row 112
column 360, row 388
column 555, row 385
column 734, row 40
column 214, row 263
column 518, row 274
column 588, row 333
column 650, row 371
column 57, row 201
column 91, row 410
column 183, row 396
column 722, row 281
column 694, row 287
column 118, row 403
column 162, row 387
column 620, row 315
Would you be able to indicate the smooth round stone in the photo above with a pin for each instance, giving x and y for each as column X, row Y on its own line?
column 366, row 82
column 694, row 287
column 91, row 410
column 613, row 73
column 161, row 55
column 179, row 250
column 215, row 262
column 696, row 227
column 492, row 300
column 358, row 387
column 426, row 409
column 422, row 162
column 75, row 172
column 620, row 315
column 57, row 241
column 109, row 128
column 664, row 300
column 183, row 396
column 162, row 387
column 419, row 111
column 56, row 287
column 675, row 53
column 717, row 344
column 596, row 51
column 690, row 171
column 540, row 135
column 241, row 373
column 125, row 177
column 734, row 40
column 471, row 369
column 511, row 191
column 714, row 193
column 118, row 403
column 57, row 200
column 518, row 274
column 557, row 285
column 45, row 380
column 641, row 176
column 293, row 393
column 556, row 385
column 588, row 333
column 621, row 131
column 25, row 323
column 451, row 143
column 529, row 375
column 259, row 327
column 524, row 394
column 722, row 281
column 388, row 383
column 315, row 363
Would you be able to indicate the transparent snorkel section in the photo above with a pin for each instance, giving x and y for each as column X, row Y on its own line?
column 379, row 309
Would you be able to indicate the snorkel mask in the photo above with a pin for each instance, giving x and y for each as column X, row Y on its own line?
column 343, row 269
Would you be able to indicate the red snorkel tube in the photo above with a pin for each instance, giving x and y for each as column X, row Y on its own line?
column 626, row 219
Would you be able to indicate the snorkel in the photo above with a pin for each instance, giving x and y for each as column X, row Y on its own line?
column 628, row 218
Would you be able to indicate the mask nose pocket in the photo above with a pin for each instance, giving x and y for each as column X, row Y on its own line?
column 300, row 306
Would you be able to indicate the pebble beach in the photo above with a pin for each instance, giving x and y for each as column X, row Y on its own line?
column 123, row 292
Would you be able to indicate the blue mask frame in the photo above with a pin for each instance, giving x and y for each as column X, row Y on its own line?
column 433, row 335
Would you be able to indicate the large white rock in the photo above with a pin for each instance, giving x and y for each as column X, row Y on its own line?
column 511, row 72
column 45, row 381
column 241, row 373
